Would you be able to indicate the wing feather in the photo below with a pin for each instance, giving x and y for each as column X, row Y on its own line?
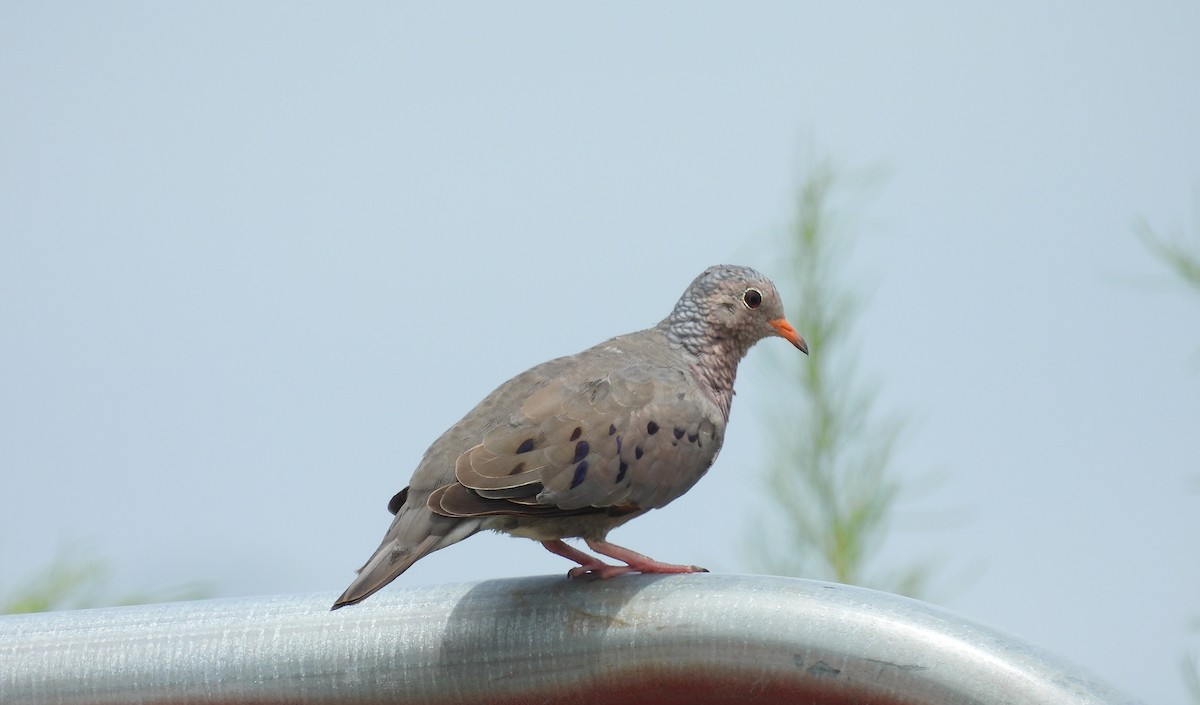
column 639, row 436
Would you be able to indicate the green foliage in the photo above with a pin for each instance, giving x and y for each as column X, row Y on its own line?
column 1182, row 256
column 77, row 579
column 829, row 478
column 69, row 581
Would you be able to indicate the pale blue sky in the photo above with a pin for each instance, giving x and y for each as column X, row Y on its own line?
column 255, row 257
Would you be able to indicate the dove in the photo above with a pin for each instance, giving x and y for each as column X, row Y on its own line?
column 579, row 445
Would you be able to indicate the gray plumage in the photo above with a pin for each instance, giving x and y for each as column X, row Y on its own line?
column 581, row 444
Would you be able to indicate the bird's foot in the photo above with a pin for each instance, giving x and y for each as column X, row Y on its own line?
column 598, row 571
column 589, row 566
column 594, row 568
column 638, row 562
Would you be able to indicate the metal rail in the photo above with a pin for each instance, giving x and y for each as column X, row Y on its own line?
column 635, row 639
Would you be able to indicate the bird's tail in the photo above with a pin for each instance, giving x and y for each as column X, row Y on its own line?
column 390, row 560
column 415, row 532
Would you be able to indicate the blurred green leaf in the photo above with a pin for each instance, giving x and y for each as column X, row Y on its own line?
column 1183, row 258
column 1176, row 251
column 77, row 579
column 829, row 480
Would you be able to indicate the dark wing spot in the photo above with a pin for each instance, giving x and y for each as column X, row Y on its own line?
column 580, row 474
column 618, row 445
column 621, row 471
column 611, row 429
column 652, row 428
column 519, row 467
column 594, row 388
column 576, row 433
column 637, row 452
column 692, row 437
column 526, row 446
column 581, row 451
column 398, row 501
column 678, row 433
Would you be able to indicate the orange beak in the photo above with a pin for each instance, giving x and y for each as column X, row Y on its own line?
column 788, row 333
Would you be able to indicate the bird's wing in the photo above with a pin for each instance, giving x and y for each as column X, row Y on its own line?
column 634, row 438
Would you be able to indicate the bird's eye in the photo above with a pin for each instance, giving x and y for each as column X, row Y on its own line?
column 752, row 298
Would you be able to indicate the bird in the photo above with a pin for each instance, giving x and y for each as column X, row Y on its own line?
column 581, row 444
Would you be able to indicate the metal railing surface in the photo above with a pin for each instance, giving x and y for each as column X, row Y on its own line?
column 699, row 638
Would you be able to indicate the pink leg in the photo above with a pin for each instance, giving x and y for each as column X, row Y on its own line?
column 588, row 565
column 638, row 562
column 594, row 567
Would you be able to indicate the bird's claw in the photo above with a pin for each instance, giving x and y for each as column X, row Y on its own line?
column 599, row 571
column 604, row 571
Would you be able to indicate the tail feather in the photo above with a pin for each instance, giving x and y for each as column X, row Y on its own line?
column 388, row 562
column 414, row 533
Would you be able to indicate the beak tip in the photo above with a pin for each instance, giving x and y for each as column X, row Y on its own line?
column 788, row 333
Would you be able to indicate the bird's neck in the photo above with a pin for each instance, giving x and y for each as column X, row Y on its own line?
column 717, row 373
column 713, row 359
